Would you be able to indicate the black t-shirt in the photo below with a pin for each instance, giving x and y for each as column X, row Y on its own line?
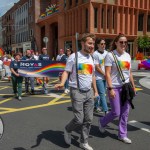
column 27, row 58
column 44, row 57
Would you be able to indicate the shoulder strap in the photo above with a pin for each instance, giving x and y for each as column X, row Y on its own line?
column 118, row 67
column 76, row 63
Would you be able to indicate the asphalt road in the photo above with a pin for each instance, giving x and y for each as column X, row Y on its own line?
column 37, row 122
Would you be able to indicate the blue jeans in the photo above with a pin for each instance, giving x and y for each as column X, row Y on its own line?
column 101, row 87
column 66, row 84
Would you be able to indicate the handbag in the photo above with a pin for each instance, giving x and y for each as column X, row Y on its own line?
column 127, row 89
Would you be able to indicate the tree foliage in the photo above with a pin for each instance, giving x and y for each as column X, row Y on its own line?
column 143, row 42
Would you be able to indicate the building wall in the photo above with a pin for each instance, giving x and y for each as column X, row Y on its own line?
column 1, row 38
column 105, row 18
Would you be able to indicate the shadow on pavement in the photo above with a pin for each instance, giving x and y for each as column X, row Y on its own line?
column 55, row 137
column 19, row 148
column 96, row 133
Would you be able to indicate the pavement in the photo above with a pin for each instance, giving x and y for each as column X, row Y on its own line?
column 37, row 122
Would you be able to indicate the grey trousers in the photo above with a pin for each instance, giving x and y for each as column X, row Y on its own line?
column 82, row 105
column 27, row 80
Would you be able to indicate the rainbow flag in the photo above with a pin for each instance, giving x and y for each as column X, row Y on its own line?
column 1, row 52
column 146, row 63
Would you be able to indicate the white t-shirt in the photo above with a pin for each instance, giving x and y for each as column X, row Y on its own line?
column 85, row 71
column 99, row 59
column 1, row 65
column 58, row 58
column 36, row 57
column 125, row 64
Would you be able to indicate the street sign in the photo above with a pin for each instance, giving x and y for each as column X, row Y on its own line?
column 45, row 39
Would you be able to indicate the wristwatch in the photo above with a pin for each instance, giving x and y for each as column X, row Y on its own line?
column 109, row 88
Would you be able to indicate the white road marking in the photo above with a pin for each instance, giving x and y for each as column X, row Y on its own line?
column 139, row 125
column 54, row 95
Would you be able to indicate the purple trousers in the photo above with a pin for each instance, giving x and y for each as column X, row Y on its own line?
column 117, row 110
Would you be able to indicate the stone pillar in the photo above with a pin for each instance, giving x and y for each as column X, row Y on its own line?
column 99, row 18
column 91, row 18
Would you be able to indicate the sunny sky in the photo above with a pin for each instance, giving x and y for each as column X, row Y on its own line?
column 6, row 5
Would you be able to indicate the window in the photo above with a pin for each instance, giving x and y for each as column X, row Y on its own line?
column 64, row 3
column 148, row 23
column 102, row 18
column 76, row 2
column 95, row 17
column 113, row 19
column 108, row 18
column 30, row 18
column 140, row 22
column 70, row 2
column 31, row 32
column 30, row 3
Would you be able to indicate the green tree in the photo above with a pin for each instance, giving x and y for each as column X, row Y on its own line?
column 143, row 42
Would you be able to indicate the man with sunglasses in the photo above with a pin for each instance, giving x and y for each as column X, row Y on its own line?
column 99, row 56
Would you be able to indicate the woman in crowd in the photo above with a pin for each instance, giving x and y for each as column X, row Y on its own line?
column 16, row 78
column 114, row 83
column 68, row 53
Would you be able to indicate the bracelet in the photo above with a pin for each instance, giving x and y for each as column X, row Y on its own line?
column 109, row 88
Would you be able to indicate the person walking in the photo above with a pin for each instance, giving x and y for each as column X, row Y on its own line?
column 1, row 69
column 99, row 56
column 68, row 53
column 29, row 57
column 118, row 107
column 44, row 57
column 80, row 65
column 16, row 78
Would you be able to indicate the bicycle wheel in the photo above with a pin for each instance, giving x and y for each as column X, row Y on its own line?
column 1, row 127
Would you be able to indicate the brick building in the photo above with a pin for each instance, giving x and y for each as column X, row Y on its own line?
column 105, row 18
column 29, row 21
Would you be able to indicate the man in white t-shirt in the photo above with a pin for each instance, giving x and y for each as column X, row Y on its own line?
column 81, row 92
column 60, row 55
column 99, row 56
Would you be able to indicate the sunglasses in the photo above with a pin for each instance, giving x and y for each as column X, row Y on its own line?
column 123, row 42
column 103, row 43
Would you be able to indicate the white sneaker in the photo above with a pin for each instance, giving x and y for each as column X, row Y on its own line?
column 66, row 91
column 67, row 137
column 101, row 129
column 125, row 140
column 86, row 146
column 19, row 98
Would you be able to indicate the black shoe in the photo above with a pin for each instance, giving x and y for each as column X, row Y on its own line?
column 32, row 92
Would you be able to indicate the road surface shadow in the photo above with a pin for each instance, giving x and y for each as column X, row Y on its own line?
column 19, row 148
column 56, row 137
column 96, row 133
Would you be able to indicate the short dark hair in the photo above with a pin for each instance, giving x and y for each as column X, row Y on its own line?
column 17, row 54
column 98, row 41
column 86, row 35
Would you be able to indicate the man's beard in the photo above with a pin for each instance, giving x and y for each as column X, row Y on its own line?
column 87, row 50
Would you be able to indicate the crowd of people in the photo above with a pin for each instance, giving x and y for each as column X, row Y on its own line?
column 9, row 69
column 88, row 74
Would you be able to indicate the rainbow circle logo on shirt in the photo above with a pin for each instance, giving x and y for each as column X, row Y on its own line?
column 125, row 65
column 85, row 69
column 101, row 62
